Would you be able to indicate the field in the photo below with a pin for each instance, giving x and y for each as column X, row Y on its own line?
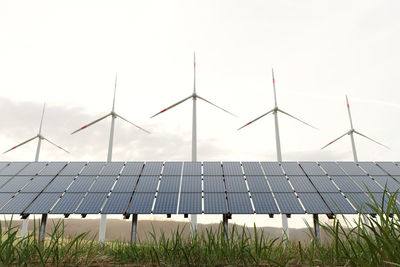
column 372, row 243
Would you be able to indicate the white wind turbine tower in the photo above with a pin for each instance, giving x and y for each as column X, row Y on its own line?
column 351, row 132
column 102, row 231
column 194, row 97
column 275, row 111
column 40, row 137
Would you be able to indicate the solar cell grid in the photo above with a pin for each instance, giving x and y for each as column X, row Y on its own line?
column 92, row 168
column 371, row 168
column 367, row 184
column 292, row 168
column 212, row 168
column 59, row 184
column 301, row 184
column 332, row 168
column 388, row 182
column 112, row 168
column 81, row 184
column 152, row 168
column 4, row 179
column 133, row 168
column 271, row 168
column 170, row 184
column 92, row 203
column 214, row 184
column 4, row 198
column 141, row 203
column 360, row 201
column 103, row 184
column 264, row 203
column 346, row 184
column 68, row 203
column 190, row 203
column 3, row 165
column 215, row 203
column 72, row 168
column 13, row 168
column 166, row 203
column 257, row 184
column 288, row 203
column 117, row 203
column 32, row 168
column 252, row 168
column 313, row 203
column 53, row 168
column 37, row 184
column 192, row 168
column 239, row 203
column 337, row 203
column 389, row 167
column 147, row 184
column 235, row 184
column 191, row 184
column 172, row 168
column 15, row 184
column 18, row 203
column 42, row 203
column 126, row 184
column 311, row 168
column 279, row 184
column 323, row 183
column 351, row 168
column 232, row 168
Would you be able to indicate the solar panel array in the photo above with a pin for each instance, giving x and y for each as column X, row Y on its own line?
column 195, row 187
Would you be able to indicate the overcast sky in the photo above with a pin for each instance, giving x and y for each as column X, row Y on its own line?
column 66, row 53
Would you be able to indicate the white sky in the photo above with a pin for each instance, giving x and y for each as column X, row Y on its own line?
column 66, row 53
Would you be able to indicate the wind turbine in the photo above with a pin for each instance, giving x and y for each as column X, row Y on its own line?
column 102, row 231
column 351, row 132
column 40, row 137
column 194, row 96
column 275, row 111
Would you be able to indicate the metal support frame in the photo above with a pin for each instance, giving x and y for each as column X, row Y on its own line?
column 225, row 224
column 285, row 227
column 316, row 228
column 42, row 232
column 134, row 228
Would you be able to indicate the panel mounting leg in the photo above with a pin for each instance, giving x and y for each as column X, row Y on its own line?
column 24, row 227
column 225, row 225
column 316, row 228
column 134, row 228
column 102, row 231
column 285, row 227
column 42, row 231
column 193, row 223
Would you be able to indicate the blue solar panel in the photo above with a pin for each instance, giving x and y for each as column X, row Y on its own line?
column 239, row 203
column 190, row 203
column 141, row 203
column 351, row 168
column 360, row 201
column 126, row 184
column 337, row 203
column 192, row 168
column 396, row 177
column 166, row 203
column 313, row 203
column 147, row 184
column 332, row 168
column 252, row 168
column 59, row 184
column 346, row 184
column 302, row 184
column 288, row 203
column 292, row 168
column 389, row 167
column 391, row 185
column 215, row 203
column 68, row 203
column 13, row 168
column 172, row 168
column 4, row 180
column 367, row 184
column 43, row 203
column 212, row 168
column 53, row 168
column 279, row 184
column 93, row 168
column 323, row 183
column 103, row 184
column 18, row 203
column 152, row 168
column 169, row 184
column 214, row 184
column 15, row 184
column 132, row 168
column 311, row 168
column 117, row 203
column 32, row 168
column 37, row 184
column 4, row 198
column 264, row 203
column 191, row 184
column 92, row 203
column 271, row 168
column 232, row 168
column 257, row 184
column 235, row 184
column 112, row 168
column 371, row 168
column 73, row 168
column 81, row 184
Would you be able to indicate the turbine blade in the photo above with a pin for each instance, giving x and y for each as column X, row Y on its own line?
column 55, row 144
column 372, row 140
column 297, row 119
column 334, row 140
column 162, row 111
column 23, row 143
column 272, row 110
column 132, row 124
column 215, row 105
column 87, row 125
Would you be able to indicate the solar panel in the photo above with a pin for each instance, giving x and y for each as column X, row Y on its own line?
column 103, row 184
column 332, row 168
column 360, row 201
column 235, row 184
column 132, row 168
column 93, row 168
column 371, row 168
column 351, row 168
column 257, row 184
column 212, row 168
column 112, row 168
column 152, row 168
column 311, row 168
column 215, row 203
column 396, row 177
column 166, row 203
column 346, row 184
column 279, row 184
column 32, row 168
column 15, row 184
column 302, row 184
column 367, row 184
column 190, row 203
column 116, row 203
column 37, row 184
column 172, row 168
column 323, row 183
column 382, row 201
column 232, row 168
column 169, row 184
column 389, row 167
column 92, row 203
column 68, row 203
column 192, row 168
column 4, row 180
column 72, row 168
column 252, row 168
column 391, row 185
column 191, row 184
column 271, row 168
column 313, row 203
column 288, row 203
column 81, row 184
column 147, row 184
column 18, row 203
column 59, row 184
column 337, row 203
column 43, row 203
column 4, row 197
column 141, row 203
column 13, row 168
column 292, row 168
column 239, row 203
column 3, row 165
column 264, row 203
column 214, row 184
column 53, row 168
column 126, row 184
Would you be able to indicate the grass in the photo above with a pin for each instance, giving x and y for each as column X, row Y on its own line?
column 375, row 242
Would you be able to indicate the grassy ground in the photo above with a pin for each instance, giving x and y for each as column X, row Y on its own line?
column 372, row 243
